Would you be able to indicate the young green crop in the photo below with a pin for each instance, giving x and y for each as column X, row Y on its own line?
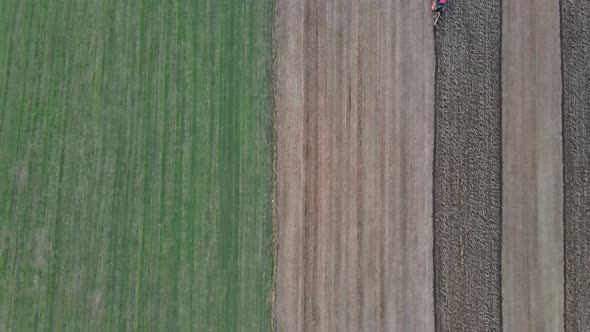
column 135, row 165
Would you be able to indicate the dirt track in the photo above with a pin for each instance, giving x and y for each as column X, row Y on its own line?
column 354, row 166
column 532, row 241
column 467, row 175
column 575, row 28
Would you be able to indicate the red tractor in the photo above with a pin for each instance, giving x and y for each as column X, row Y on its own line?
column 438, row 7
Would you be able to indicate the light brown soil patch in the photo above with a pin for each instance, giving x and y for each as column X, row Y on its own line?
column 354, row 166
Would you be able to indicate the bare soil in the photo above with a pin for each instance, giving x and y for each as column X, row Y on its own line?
column 532, row 231
column 354, row 166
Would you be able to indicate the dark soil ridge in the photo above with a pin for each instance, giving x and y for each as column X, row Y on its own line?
column 575, row 52
column 468, row 168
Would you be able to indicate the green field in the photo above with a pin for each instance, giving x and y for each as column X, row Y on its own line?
column 135, row 165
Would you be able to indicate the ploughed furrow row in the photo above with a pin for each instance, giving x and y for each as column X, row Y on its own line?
column 468, row 168
column 575, row 47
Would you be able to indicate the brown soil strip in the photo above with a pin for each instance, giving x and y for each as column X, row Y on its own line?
column 532, row 242
column 354, row 166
